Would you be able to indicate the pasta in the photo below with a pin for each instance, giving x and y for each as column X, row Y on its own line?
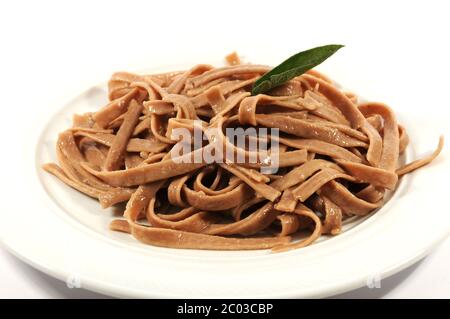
column 337, row 158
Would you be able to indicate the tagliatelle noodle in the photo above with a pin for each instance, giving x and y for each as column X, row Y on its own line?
column 336, row 158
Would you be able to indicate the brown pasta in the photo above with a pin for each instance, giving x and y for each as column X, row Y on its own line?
column 337, row 158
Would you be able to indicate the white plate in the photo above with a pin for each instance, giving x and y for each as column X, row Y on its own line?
column 66, row 234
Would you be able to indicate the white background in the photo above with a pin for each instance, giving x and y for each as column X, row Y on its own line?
column 396, row 52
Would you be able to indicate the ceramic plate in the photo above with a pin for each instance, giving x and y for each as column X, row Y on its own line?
column 65, row 233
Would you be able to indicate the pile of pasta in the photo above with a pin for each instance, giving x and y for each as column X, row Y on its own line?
column 337, row 157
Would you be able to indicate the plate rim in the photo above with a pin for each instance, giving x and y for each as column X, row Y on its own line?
column 112, row 290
